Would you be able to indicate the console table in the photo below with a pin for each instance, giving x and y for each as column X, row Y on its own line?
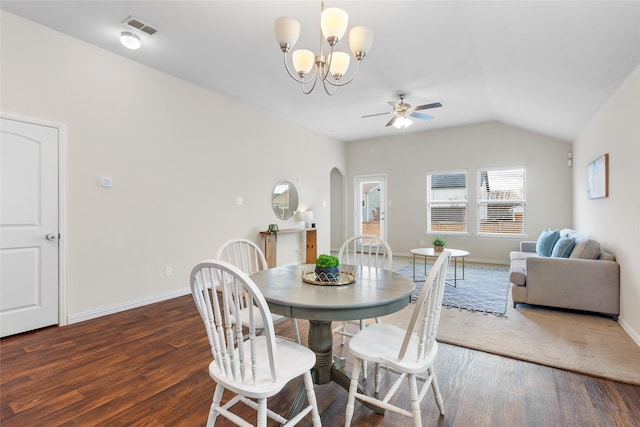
column 271, row 247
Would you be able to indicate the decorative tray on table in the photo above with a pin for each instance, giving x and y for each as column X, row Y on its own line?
column 345, row 276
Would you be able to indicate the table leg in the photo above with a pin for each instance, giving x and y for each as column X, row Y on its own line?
column 455, row 272
column 321, row 342
column 414, row 267
column 425, row 269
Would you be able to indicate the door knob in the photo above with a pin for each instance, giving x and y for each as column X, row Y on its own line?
column 52, row 236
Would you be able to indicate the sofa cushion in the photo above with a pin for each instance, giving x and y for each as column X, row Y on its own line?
column 568, row 232
column 606, row 256
column 585, row 248
column 563, row 247
column 546, row 241
column 518, row 272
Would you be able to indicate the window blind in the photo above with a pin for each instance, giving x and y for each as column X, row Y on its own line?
column 447, row 202
column 501, row 201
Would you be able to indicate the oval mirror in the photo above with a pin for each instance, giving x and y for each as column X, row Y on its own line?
column 284, row 199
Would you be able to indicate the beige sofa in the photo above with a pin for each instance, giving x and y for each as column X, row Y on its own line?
column 588, row 280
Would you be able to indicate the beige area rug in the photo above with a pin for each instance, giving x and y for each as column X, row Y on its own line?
column 580, row 343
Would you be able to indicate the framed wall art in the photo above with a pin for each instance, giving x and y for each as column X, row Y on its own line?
column 598, row 178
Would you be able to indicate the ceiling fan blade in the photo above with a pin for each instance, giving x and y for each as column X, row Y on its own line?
column 421, row 116
column 392, row 121
column 377, row 114
column 424, row 107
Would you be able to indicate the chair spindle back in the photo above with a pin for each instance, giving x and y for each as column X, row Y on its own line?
column 366, row 250
column 426, row 314
column 234, row 355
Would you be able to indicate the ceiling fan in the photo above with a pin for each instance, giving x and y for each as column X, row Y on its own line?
column 402, row 111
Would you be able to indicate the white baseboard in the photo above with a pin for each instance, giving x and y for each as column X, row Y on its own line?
column 635, row 336
column 88, row 315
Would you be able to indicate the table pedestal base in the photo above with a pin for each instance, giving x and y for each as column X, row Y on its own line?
column 326, row 370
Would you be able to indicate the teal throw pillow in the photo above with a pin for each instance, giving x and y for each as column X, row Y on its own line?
column 563, row 247
column 547, row 241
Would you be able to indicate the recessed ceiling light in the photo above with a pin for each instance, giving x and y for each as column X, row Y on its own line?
column 130, row 40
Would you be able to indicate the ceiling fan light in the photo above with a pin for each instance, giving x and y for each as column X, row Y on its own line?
column 287, row 32
column 402, row 123
column 130, row 40
column 303, row 61
column 333, row 23
column 360, row 41
column 339, row 63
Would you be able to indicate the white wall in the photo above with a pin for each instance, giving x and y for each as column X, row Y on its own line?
column 614, row 220
column 179, row 156
column 407, row 159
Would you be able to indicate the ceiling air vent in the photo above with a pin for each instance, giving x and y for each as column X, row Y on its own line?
column 139, row 25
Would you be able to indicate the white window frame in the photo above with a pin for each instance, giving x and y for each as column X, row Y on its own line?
column 459, row 198
column 509, row 202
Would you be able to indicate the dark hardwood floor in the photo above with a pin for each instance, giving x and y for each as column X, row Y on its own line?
column 148, row 366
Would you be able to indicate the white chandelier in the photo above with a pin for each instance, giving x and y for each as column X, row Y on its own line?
column 329, row 69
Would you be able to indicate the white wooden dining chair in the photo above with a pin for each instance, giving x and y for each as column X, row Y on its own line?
column 366, row 250
column 248, row 257
column 409, row 352
column 252, row 368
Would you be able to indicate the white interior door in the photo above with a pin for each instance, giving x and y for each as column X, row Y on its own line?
column 371, row 205
column 28, row 226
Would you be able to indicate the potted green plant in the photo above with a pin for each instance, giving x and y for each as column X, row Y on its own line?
column 439, row 243
column 273, row 229
column 327, row 268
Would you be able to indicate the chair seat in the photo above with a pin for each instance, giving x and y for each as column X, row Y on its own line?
column 293, row 360
column 379, row 343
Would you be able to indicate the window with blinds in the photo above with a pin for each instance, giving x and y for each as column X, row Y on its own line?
column 501, row 201
column 447, row 202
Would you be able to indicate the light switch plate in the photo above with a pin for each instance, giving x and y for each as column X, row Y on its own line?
column 106, row 181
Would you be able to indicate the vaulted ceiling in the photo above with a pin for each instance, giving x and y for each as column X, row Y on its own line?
column 545, row 66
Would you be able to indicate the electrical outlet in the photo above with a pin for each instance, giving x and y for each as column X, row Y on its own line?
column 421, row 242
column 168, row 271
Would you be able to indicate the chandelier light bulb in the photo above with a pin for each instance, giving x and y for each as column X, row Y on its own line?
column 360, row 41
column 287, row 32
column 303, row 61
column 333, row 23
column 339, row 63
